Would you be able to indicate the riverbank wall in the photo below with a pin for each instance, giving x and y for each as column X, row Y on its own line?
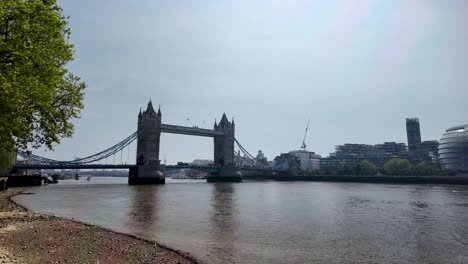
column 24, row 180
column 461, row 180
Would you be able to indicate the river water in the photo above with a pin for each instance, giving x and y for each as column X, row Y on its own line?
column 275, row 222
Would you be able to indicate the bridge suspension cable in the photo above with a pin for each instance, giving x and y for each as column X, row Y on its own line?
column 249, row 156
column 92, row 158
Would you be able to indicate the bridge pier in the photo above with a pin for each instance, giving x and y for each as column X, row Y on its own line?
column 226, row 174
column 147, row 174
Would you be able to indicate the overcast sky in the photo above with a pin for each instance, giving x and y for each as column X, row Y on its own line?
column 356, row 69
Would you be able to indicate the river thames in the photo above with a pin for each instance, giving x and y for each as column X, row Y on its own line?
column 274, row 222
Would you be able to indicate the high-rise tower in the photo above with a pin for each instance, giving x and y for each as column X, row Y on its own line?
column 413, row 132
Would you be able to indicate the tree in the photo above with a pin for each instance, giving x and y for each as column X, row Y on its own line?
column 424, row 169
column 38, row 94
column 366, row 168
column 397, row 167
column 345, row 170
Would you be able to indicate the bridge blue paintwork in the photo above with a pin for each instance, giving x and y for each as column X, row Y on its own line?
column 191, row 131
column 73, row 166
column 127, row 166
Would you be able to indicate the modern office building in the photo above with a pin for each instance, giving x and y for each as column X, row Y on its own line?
column 453, row 150
column 387, row 151
column 390, row 149
column 305, row 159
column 330, row 164
column 347, row 155
column 413, row 133
column 418, row 151
column 428, row 150
column 351, row 155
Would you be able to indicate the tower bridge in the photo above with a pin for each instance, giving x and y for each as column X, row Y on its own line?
column 148, row 168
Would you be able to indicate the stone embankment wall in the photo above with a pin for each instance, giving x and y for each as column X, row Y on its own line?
column 462, row 180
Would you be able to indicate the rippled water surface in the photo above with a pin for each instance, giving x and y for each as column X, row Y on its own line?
column 275, row 222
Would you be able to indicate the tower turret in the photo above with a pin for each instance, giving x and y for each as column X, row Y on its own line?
column 224, row 123
column 150, row 169
column 224, row 152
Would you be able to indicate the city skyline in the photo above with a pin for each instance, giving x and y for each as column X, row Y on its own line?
column 272, row 66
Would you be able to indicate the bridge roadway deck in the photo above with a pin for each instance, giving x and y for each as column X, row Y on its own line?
column 127, row 166
column 73, row 166
column 192, row 131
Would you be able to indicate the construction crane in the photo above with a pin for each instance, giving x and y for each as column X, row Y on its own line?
column 303, row 147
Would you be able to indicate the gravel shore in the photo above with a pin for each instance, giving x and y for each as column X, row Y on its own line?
column 28, row 237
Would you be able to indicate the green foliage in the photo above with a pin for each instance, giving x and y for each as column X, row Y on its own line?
column 404, row 167
column 345, row 170
column 310, row 172
column 397, row 167
column 423, row 169
column 38, row 95
column 366, row 168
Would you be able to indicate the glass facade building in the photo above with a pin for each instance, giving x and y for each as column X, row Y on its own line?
column 453, row 149
column 351, row 155
column 413, row 132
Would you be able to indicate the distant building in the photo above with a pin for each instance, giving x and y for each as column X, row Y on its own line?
column 261, row 158
column 201, row 162
column 391, row 149
column 330, row 165
column 307, row 159
column 351, row 155
column 384, row 152
column 413, row 133
column 347, row 155
column 418, row 151
column 284, row 160
column 453, row 150
column 243, row 161
column 428, row 151
column 353, row 151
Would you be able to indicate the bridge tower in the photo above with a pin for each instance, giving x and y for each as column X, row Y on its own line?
column 224, row 153
column 150, row 170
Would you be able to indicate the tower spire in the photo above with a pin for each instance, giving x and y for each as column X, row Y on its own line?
column 150, row 109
